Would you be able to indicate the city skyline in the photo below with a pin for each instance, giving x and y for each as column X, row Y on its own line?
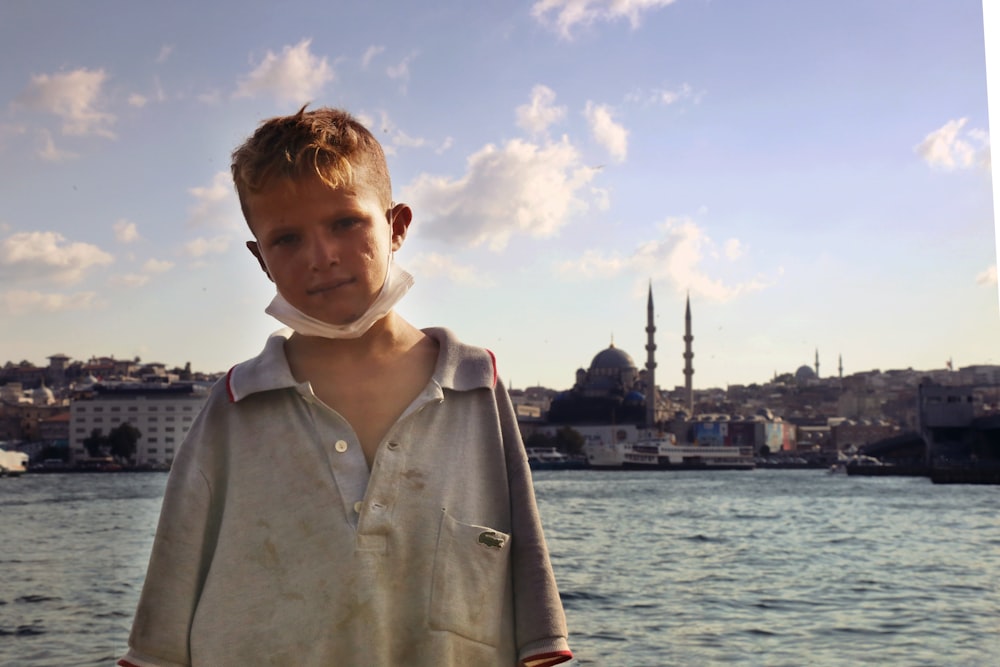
column 816, row 177
column 639, row 364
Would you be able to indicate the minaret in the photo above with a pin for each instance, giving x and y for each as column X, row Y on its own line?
column 688, row 356
column 650, row 362
column 840, row 365
column 817, row 363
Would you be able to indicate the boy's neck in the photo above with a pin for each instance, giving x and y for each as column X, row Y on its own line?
column 387, row 335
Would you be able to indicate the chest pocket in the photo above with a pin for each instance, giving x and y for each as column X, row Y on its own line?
column 471, row 568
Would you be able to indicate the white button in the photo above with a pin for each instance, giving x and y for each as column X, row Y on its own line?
column 357, row 507
column 340, row 446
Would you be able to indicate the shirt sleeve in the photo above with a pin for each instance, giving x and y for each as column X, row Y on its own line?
column 179, row 562
column 539, row 620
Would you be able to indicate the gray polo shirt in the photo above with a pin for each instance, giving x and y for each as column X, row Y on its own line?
column 276, row 546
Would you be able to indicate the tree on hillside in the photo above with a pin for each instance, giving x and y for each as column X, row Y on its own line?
column 539, row 440
column 95, row 443
column 569, row 440
column 123, row 439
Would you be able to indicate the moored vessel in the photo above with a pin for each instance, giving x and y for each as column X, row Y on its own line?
column 12, row 464
column 660, row 451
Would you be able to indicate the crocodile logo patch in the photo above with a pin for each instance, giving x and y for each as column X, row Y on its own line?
column 491, row 539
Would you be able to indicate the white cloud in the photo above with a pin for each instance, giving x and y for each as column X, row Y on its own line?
column 540, row 113
column 445, row 145
column 570, row 13
column 157, row 265
column 612, row 136
column 734, row 249
column 47, row 256
column 21, row 302
column 520, row 188
column 50, row 153
column 75, row 97
column 370, row 54
column 678, row 257
column 126, row 232
column 201, row 246
column 392, row 135
column 137, row 100
column 988, row 277
column 668, row 97
column 295, row 76
column 431, row 265
column 154, row 266
column 400, row 138
column 164, row 53
column 593, row 264
column 215, row 204
column 130, row 280
column 946, row 149
column 402, row 69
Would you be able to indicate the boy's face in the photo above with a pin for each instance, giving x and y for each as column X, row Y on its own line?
column 325, row 249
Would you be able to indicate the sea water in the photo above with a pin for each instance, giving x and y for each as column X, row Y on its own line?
column 658, row 568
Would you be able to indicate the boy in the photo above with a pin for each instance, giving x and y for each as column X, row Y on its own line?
column 358, row 494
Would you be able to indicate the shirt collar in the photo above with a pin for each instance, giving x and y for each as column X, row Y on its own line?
column 460, row 367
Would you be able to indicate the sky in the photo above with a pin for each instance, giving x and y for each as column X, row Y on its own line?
column 814, row 176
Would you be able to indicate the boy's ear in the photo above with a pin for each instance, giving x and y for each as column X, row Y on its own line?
column 255, row 251
column 400, row 217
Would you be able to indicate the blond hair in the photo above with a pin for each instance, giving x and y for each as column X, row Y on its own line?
column 328, row 143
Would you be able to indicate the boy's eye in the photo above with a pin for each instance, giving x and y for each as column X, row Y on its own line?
column 346, row 223
column 284, row 239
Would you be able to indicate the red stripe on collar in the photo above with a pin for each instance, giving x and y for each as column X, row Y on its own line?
column 493, row 358
column 229, row 385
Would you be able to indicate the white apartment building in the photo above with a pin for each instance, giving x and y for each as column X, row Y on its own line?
column 162, row 412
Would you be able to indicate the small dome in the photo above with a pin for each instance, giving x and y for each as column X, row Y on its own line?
column 805, row 373
column 43, row 396
column 612, row 358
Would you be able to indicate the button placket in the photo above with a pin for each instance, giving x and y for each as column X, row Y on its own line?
column 346, row 462
column 382, row 488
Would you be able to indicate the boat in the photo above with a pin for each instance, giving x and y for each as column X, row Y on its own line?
column 550, row 458
column 12, row 464
column 660, row 451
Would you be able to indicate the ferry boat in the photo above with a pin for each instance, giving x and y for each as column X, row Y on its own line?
column 550, row 458
column 12, row 464
column 660, row 451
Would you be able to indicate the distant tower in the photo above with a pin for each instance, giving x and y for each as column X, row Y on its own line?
column 688, row 356
column 817, row 363
column 650, row 362
column 840, row 365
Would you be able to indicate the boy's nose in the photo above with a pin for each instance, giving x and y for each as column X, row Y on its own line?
column 323, row 253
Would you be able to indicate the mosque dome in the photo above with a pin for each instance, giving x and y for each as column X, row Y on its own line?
column 43, row 396
column 612, row 359
column 804, row 374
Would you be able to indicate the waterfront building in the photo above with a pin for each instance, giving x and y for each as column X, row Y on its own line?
column 162, row 412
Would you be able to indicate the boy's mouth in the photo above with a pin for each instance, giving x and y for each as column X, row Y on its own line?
column 328, row 286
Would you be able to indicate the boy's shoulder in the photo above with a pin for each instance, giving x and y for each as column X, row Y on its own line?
column 268, row 370
column 460, row 366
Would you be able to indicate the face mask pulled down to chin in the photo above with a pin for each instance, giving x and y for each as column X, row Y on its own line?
column 397, row 283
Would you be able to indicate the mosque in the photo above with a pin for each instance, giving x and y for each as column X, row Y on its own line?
column 613, row 390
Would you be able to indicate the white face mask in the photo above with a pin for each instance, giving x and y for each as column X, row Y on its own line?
column 397, row 283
